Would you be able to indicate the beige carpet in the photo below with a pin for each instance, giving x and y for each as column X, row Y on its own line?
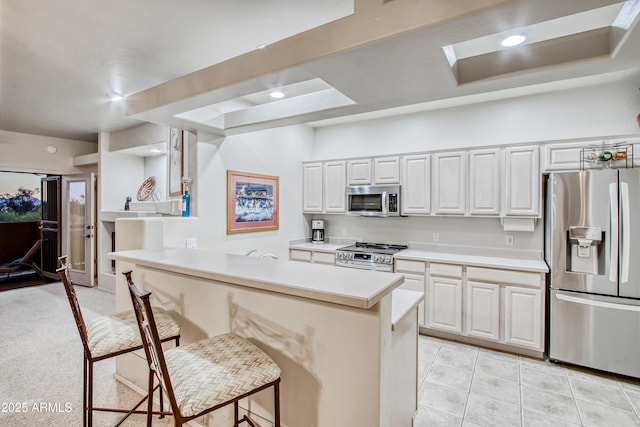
column 41, row 360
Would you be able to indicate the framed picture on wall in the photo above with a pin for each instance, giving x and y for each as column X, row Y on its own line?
column 175, row 162
column 252, row 202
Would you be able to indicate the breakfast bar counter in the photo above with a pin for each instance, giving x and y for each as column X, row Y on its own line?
column 347, row 350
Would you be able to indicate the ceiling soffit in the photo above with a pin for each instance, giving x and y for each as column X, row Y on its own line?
column 370, row 23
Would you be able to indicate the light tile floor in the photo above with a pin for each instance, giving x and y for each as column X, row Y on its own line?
column 468, row 386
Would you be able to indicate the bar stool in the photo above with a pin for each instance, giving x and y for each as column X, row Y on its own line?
column 110, row 336
column 208, row 374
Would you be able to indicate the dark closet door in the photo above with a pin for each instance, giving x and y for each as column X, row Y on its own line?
column 50, row 225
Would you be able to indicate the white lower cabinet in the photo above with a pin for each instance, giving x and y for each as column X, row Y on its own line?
column 300, row 255
column 444, row 304
column 483, row 310
column 501, row 306
column 523, row 316
column 312, row 256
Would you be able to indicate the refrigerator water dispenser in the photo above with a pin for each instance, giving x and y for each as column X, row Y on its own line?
column 586, row 250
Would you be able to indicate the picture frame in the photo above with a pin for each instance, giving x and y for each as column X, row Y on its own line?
column 175, row 159
column 252, row 202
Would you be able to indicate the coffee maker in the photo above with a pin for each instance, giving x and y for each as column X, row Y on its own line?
column 317, row 231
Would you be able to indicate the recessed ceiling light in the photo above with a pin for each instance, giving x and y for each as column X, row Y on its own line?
column 261, row 46
column 513, row 40
column 155, row 150
column 116, row 98
column 276, row 94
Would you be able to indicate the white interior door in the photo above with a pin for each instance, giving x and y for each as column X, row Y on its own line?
column 78, row 225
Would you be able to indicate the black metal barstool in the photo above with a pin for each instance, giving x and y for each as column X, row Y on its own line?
column 208, row 374
column 110, row 336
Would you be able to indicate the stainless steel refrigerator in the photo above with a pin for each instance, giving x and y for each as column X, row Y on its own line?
column 592, row 246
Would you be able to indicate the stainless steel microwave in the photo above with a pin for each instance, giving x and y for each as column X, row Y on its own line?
column 373, row 200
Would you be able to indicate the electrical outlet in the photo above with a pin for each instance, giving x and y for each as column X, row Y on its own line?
column 192, row 243
column 436, row 236
column 508, row 240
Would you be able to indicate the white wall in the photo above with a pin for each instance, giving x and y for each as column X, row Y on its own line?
column 591, row 113
column 21, row 152
column 278, row 152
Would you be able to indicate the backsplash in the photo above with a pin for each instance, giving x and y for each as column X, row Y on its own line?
column 449, row 231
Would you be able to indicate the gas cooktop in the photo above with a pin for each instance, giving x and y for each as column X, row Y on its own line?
column 378, row 248
column 370, row 256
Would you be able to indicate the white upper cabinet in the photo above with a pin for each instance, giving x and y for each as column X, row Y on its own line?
column 334, row 185
column 522, row 181
column 564, row 156
column 359, row 172
column 484, row 182
column 449, row 183
column 416, row 184
column 312, row 190
column 386, row 170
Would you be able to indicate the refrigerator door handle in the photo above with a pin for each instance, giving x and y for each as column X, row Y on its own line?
column 626, row 232
column 613, row 238
column 593, row 303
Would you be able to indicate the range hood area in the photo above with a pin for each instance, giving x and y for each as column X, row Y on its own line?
column 396, row 55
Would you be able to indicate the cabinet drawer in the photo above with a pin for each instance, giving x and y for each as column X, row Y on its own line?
column 408, row 266
column 299, row 255
column 449, row 270
column 324, row 258
column 509, row 277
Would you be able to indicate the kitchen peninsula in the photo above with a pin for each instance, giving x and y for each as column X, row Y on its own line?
column 346, row 340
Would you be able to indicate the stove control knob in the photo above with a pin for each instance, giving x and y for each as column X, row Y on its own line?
column 351, row 255
column 376, row 258
column 388, row 259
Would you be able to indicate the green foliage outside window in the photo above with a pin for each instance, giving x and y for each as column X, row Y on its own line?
column 21, row 206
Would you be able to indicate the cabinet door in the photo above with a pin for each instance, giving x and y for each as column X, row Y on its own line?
column 359, row 172
column 334, row 185
column 484, row 182
column 564, row 156
column 416, row 185
column 449, row 182
column 386, row 170
column 522, row 181
column 312, row 187
column 415, row 282
column 523, row 317
column 483, row 310
column 300, row 255
column 324, row 258
column 444, row 304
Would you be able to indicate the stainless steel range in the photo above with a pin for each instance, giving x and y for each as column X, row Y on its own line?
column 368, row 256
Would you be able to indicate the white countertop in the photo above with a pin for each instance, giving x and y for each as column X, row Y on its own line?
column 524, row 264
column 345, row 286
column 318, row 247
column 403, row 302
column 465, row 257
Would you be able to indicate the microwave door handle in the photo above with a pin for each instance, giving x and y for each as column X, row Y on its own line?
column 626, row 231
column 385, row 210
column 613, row 238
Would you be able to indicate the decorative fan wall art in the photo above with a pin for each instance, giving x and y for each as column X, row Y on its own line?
column 147, row 189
